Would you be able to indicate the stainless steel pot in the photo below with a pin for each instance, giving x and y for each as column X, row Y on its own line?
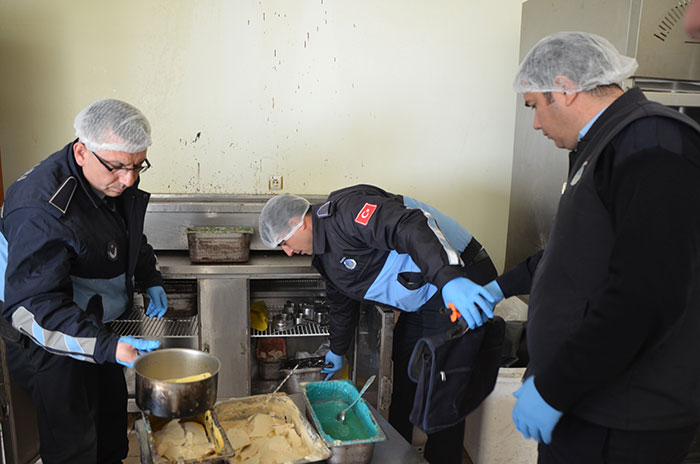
column 308, row 310
column 159, row 397
column 283, row 321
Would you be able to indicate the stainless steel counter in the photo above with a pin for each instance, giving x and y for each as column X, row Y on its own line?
column 177, row 265
column 395, row 450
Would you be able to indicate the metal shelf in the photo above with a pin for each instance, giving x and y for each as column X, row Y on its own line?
column 137, row 324
column 307, row 329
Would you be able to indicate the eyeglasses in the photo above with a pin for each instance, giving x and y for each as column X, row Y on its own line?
column 140, row 169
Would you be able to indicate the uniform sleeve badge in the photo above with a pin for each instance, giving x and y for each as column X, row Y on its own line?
column 365, row 214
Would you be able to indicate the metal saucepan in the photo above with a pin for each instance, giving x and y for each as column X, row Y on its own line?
column 158, row 395
column 308, row 310
column 282, row 321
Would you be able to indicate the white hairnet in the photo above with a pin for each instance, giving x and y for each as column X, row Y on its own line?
column 113, row 125
column 587, row 59
column 281, row 217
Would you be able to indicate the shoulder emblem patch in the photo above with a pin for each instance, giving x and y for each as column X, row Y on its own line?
column 365, row 214
column 61, row 199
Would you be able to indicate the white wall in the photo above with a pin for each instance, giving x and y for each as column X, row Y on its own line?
column 411, row 95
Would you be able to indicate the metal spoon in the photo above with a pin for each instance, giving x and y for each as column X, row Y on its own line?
column 267, row 400
column 341, row 415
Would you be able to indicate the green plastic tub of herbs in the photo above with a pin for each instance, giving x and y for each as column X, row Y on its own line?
column 219, row 244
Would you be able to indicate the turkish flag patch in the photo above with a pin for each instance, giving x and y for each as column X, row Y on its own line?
column 366, row 213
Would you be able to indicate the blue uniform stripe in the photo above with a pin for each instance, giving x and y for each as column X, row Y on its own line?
column 55, row 342
column 457, row 236
column 37, row 333
column 74, row 347
column 388, row 290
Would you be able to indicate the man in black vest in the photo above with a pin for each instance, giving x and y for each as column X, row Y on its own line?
column 614, row 312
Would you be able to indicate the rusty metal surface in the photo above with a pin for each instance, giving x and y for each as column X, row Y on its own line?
column 220, row 246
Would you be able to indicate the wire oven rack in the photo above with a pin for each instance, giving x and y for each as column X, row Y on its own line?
column 307, row 329
column 137, row 324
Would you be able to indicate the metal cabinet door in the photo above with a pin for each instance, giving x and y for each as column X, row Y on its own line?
column 372, row 355
column 20, row 434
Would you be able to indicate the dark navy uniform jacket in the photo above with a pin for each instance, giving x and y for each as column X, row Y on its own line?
column 65, row 244
column 377, row 246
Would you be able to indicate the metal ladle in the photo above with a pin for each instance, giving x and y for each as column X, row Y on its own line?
column 341, row 415
column 269, row 397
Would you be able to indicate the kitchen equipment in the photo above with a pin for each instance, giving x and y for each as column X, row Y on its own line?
column 322, row 317
column 269, row 369
column 352, row 441
column 280, row 405
column 309, row 371
column 215, row 434
column 308, row 374
column 158, row 396
column 271, row 394
column 308, row 310
column 219, row 244
column 182, row 298
column 282, row 321
column 291, row 308
column 270, row 354
column 341, row 415
column 305, row 363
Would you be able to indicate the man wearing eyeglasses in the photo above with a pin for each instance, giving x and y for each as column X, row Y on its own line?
column 71, row 249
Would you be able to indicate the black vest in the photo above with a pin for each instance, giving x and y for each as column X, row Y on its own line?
column 661, row 389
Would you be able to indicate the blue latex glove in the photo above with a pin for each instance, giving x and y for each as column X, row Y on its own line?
column 159, row 302
column 138, row 343
column 468, row 297
column 495, row 290
column 532, row 416
column 337, row 362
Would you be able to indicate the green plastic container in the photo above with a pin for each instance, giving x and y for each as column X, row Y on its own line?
column 352, row 441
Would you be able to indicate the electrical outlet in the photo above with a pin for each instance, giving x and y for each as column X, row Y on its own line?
column 275, row 183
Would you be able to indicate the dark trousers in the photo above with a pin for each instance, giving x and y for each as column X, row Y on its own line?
column 445, row 446
column 81, row 407
column 576, row 441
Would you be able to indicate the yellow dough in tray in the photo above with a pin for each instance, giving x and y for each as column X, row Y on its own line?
column 183, row 439
column 266, row 439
